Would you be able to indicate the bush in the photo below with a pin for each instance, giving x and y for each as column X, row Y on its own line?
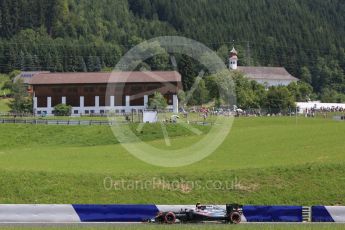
column 62, row 110
column 157, row 102
column 22, row 102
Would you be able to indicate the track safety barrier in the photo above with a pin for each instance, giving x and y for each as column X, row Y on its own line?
column 328, row 214
column 65, row 213
column 272, row 213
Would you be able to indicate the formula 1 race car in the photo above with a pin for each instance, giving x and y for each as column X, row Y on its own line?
column 202, row 213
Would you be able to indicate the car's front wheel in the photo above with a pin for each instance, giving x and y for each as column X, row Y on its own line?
column 170, row 218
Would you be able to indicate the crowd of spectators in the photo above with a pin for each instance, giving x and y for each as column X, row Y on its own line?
column 332, row 109
column 311, row 112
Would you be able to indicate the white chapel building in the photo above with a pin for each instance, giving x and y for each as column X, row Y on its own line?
column 268, row 76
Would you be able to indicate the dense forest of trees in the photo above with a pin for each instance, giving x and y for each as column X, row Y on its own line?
column 305, row 36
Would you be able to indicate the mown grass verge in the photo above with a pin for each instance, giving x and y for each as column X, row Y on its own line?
column 304, row 185
column 262, row 161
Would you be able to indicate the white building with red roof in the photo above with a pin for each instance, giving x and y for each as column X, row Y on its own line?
column 268, row 76
column 100, row 93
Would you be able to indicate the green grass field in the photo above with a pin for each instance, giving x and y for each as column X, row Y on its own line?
column 262, row 161
column 4, row 108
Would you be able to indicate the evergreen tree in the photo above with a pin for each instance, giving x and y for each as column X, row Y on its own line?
column 97, row 64
column 91, row 64
column 81, row 65
column 307, row 37
column 185, row 67
column 200, row 94
column 21, row 64
column 306, row 75
column 36, row 63
column 49, row 65
column 21, row 103
column 29, row 64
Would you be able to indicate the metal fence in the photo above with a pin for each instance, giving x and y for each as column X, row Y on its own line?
column 54, row 122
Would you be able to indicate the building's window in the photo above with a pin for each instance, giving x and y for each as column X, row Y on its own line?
column 124, row 100
column 73, row 101
column 56, row 100
column 137, row 102
column 87, row 111
column 123, row 111
column 140, row 110
column 75, row 111
column 169, row 99
column 103, row 102
column 39, row 112
column 42, row 102
column 101, row 111
column 92, row 111
column 120, row 100
column 107, row 101
column 117, row 111
column 89, row 101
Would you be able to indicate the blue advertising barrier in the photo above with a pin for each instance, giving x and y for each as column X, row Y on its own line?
column 320, row 214
column 115, row 213
column 273, row 213
column 66, row 213
column 328, row 213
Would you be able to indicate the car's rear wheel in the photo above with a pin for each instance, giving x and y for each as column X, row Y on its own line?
column 235, row 217
column 170, row 218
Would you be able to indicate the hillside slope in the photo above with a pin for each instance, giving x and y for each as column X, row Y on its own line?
column 79, row 35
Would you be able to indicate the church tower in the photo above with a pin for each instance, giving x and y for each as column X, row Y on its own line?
column 233, row 59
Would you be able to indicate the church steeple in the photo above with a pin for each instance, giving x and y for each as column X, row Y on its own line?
column 233, row 59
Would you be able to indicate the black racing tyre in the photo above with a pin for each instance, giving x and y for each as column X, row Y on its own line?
column 160, row 218
column 170, row 218
column 235, row 217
